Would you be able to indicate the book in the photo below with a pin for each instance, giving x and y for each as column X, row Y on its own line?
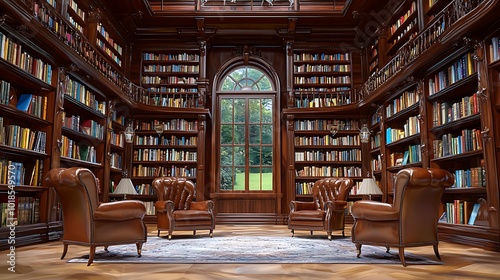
column 473, row 214
column 24, row 102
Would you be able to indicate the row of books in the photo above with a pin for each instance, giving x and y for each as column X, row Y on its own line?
column 149, row 171
column 345, row 155
column 322, row 80
column 461, row 212
column 175, row 68
column 327, row 140
column 329, row 171
column 470, row 178
column 320, row 57
column 71, row 149
column 166, row 140
column 445, row 112
column 81, row 93
column 333, row 99
column 173, row 124
column 411, row 127
column 88, row 127
column 449, row 144
column 12, row 52
column 458, row 70
column 347, row 124
column 11, row 172
column 26, row 211
column 22, row 137
column 163, row 155
column 407, row 99
column 308, row 68
column 412, row 155
column 171, row 57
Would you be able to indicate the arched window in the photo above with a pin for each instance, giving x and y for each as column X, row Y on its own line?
column 246, row 100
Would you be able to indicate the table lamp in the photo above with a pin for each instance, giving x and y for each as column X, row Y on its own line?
column 125, row 186
column 369, row 187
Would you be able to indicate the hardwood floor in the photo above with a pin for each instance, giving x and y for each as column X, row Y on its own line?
column 43, row 262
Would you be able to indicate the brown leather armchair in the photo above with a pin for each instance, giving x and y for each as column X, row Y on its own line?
column 411, row 220
column 90, row 223
column 326, row 211
column 176, row 210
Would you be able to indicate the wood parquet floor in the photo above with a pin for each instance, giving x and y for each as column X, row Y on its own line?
column 43, row 262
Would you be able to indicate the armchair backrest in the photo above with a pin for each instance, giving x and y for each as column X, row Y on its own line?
column 178, row 190
column 79, row 196
column 417, row 198
column 331, row 189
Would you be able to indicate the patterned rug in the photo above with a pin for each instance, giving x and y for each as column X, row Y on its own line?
column 251, row 249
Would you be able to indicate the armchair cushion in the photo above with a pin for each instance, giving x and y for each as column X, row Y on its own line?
column 120, row 210
column 374, row 211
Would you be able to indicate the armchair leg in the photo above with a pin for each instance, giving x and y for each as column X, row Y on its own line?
column 358, row 250
column 293, row 233
column 91, row 255
column 169, row 236
column 387, row 249
column 311, row 232
column 436, row 251
column 158, row 234
column 402, row 255
column 343, row 233
column 194, row 232
column 106, row 248
column 65, row 250
column 211, row 234
column 330, row 236
column 139, row 248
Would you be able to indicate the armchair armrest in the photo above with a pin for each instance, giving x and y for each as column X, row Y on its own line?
column 120, row 210
column 206, row 205
column 301, row 205
column 161, row 206
column 374, row 211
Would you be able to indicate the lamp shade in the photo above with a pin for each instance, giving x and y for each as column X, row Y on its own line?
column 125, row 186
column 364, row 134
column 129, row 134
column 369, row 187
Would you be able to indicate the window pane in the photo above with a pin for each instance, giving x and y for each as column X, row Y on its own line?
column 264, row 84
column 254, row 107
column 267, row 134
column 226, row 134
column 226, row 155
column 255, row 155
column 239, row 110
column 226, row 108
column 239, row 184
column 254, row 134
column 255, row 179
column 239, row 134
column 267, row 179
column 226, row 178
column 239, row 155
column 267, row 155
column 267, row 111
column 228, row 84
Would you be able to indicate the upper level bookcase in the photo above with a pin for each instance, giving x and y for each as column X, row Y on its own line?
column 321, row 79
column 171, row 78
column 110, row 43
column 403, row 26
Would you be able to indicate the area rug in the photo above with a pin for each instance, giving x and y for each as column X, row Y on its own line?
column 250, row 249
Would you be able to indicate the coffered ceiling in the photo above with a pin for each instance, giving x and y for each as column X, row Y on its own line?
column 244, row 21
